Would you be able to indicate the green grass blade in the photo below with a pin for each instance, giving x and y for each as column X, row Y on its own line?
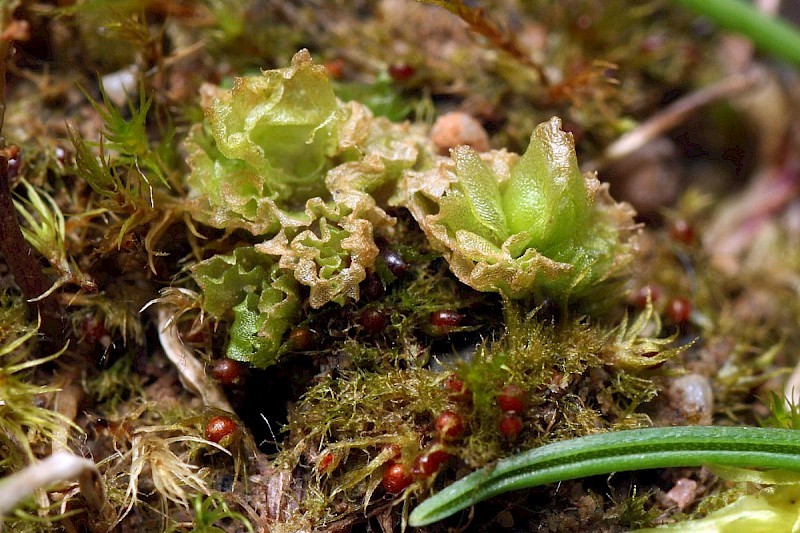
column 619, row 451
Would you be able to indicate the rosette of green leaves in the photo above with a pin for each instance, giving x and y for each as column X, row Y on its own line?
column 261, row 298
column 264, row 148
column 523, row 226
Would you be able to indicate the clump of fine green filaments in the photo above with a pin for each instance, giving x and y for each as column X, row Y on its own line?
column 25, row 426
column 565, row 368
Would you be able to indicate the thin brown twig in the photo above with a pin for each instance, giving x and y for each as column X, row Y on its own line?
column 15, row 250
column 5, row 44
column 23, row 265
column 500, row 38
column 673, row 115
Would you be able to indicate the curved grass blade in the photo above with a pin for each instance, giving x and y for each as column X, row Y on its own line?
column 620, row 451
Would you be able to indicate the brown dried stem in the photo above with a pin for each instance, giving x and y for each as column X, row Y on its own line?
column 500, row 38
column 23, row 265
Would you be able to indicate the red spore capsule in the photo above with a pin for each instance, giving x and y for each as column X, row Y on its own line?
column 372, row 321
column 444, row 321
column 681, row 231
column 219, row 427
column 394, row 262
column 301, row 338
column 93, row 329
column 511, row 398
column 446, row 318
column 457, row 389
column 63, row 155
column 639, row 298
column 325, row 462
column 449, row 425
column 371, row 288
column 14, row 155
column 510, row 426
column 228, row 372
column 395, row 478
column 335, row 68
column 679, row 310
column 428, row 463
column 401, row 72
column 392, row 449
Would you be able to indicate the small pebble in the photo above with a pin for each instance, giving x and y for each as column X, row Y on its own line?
column 456, row 128
column 692, row 396
column 683, row 493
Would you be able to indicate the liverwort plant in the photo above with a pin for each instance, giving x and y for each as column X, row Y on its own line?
column 522, row 226
column 280, row 157
column 262, row 298
column 264, row 148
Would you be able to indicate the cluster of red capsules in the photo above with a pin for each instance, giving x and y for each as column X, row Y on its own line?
column 449, row 427
column 511, row 401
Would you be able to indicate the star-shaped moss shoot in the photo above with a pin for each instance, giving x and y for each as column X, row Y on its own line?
column 523, row 226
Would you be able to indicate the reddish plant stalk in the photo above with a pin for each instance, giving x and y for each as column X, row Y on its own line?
column 23, row 265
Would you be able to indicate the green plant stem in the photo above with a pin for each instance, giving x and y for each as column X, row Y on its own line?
column 772, row 35
column 620, row 451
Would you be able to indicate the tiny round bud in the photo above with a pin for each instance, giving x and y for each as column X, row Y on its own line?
column 396, row 478
column 457, row 128
column 510, row 426
column 449, row 425
column 219, row 427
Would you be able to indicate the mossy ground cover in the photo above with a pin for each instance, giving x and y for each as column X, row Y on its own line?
column 242, row 213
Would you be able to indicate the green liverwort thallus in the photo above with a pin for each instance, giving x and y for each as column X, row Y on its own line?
column 520, row 226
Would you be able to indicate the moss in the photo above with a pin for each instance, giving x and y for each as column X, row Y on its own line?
column 570, row 385
column 137, row 220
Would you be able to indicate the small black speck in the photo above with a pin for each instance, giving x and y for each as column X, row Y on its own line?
column 225, row 483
